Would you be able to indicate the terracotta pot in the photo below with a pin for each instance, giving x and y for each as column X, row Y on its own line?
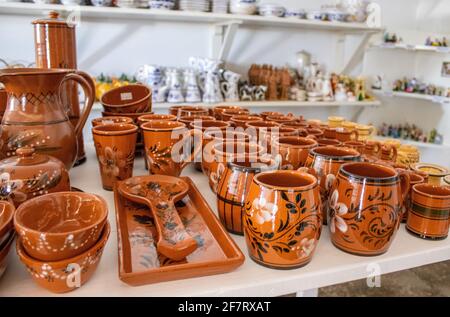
column 428, row 216
column 294, row 151
column 356, row 145
column 128, row 99
column 29, row 175
column 155, row 117
column 160, row 138
column 345, row 135
column 68, row 274
column 330, row 133
column 60, row 225
column 109, row 120
column 115, row 146
column 226, row 115
column 414, row 179
column 188, row 120
column 225, row 152
column 266, row 114
column 36, row 117
column 7, row 211
column 133, row 116
column 240, row 121
column 435, row 173
column 282, row 219
column 327, row 142
column 326, row 161
column 281, row 119
column 365, row 207
column 188, row 111
column 233, row 188
column 5, row 247
column 217, row 111
column 213, row 137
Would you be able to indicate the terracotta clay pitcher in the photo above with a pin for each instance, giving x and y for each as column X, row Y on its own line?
column 35, row 115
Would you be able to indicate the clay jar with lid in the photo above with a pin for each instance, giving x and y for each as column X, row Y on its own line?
column 30, row 174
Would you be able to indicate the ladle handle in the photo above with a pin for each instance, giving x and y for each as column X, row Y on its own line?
column 88, row 86
column 174, row 241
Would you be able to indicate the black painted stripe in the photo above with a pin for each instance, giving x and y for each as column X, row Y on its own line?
column 430, row 213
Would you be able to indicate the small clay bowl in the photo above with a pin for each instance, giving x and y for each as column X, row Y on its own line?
column 7, row 211
column 61, row 225
column 133, row 116
column 62, row 276
column 127, row 99
column 155, row 117
column 110, row 120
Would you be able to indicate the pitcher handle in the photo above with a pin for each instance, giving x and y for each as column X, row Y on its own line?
column 197, row 147
column 86, row 82
column 405, row 183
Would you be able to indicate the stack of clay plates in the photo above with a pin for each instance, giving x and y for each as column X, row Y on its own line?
column 194, row 5
column 219, row 6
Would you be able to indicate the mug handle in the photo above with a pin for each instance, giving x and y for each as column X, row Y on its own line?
column 378, row 147
column 224, row 87
column 197, row 148
column 355, row 134
column 394, row 153
column 405, row 183
column 86, row 82
column 308, row 170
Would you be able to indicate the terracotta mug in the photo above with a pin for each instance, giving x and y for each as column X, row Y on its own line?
column 357, row 145
column 108, row 120
column 328, row 142
column 115, row 146
column 414, row 180
column 433, row 173
column 233, row 189
column 266, row 114
column 335, row 122
column 315, row 132
column 173, row 110
column 365, row 207
column 163, row 141
column 371, row 151
column 326, row 161
column 329, row 133
column 388, row 153
column 213, row 137
column 282, row 219
column 294, row 151
column 345, row 135
column 428, row 216
column 225, row 152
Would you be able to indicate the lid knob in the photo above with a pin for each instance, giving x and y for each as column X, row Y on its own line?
column 53, row 14
column 25, row 151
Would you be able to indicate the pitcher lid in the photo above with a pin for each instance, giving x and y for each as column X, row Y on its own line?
column 52, row 19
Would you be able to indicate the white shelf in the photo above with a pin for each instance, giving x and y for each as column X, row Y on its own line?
column 329, row 265
column 434, row 99
column 182, row 16
column 419, row 144
column 411, row 47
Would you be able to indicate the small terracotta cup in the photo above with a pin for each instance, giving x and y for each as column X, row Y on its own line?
column 240, row 121
column 330, row 133
column 188, row 120
column 225, row 152
column 68, row 274
column 155, row 117
column 188, row 111
column 233, row 189
column 328, row 142
column 165, row 145
column 61, row 225
column 414, row 179
column 428, row 216
column 217, row 111
column 226, row 115
column 326, row 162
column 134, row 98
column 110, row 120
column 388, row 153
column 115, row 146
column 357, row 145
column 365, row 207
column 294, row 151
column 266, row 114
column 435, row 173
column 260, row 129
column 344, row 135
column 282, row 219
column 315, row 133
column 213, row 137
column 173, row 110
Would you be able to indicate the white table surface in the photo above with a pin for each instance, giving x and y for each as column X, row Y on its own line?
column 329, row 265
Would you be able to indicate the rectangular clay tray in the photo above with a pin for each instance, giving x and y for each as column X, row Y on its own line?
column 139, row 261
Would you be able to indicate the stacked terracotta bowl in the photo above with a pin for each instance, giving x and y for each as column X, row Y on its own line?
column 61, row 238
column 7, row 233
column 131, row 101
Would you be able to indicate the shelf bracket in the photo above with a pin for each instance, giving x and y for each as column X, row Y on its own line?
column 357, row 55
column 223, row 37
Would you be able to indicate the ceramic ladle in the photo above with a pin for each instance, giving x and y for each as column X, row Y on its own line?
column 159, row 193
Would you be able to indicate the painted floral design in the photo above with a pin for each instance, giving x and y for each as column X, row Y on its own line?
column 215, row 176
column 10, row 190
column 265, row 211
column 307, row 246
column 337, row 211
column 111, row 162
